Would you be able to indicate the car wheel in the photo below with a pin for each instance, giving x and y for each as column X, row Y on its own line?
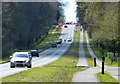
column 38, row 55
column 12, row 66
column 29, row 66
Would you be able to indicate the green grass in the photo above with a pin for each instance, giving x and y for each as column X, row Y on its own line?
column 108, row 56
column 106, row 78
column 50, row 38
column 89, row 58
column 4, row 61
column 71, row 57
column 43, row 74
column 108, row 61
column 61, row 70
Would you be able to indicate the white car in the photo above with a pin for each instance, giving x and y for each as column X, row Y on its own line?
column 20, row 59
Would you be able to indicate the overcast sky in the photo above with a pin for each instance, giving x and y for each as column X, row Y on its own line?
column 69, row 10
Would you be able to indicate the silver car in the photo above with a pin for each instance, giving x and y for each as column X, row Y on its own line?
column 20, row 59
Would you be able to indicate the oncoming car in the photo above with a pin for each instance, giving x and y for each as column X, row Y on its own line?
column 65, row 26
column 34, row 53
column 69, row 39
column 54, row 45
column 59, row 41
column 21, row 59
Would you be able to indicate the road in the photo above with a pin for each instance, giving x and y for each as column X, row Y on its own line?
column 46, row 57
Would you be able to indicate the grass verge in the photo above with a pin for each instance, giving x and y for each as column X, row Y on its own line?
column 61, row 70
column 4, row 61
column 89, row 58
column 106, row 78
column 108, row 60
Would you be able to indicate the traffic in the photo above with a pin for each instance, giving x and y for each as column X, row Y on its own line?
column 21, row 61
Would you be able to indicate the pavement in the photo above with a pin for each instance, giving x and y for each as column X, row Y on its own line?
column 89, row 75
column 82, row 57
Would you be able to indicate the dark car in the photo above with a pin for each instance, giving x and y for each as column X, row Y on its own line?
column 34, row 53
column 59, row 41
column 65, row 26
column 54, row 45
column 68, row 23
column 69, row 40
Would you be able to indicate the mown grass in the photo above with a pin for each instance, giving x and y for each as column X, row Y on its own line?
column 61, row 70
column 109, row 58
column 4, row 61
column 106, row 78
column 48, row 40
column 89, row 58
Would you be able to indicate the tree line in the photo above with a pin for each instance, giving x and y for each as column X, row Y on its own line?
column 23, row 23
column 101, row 20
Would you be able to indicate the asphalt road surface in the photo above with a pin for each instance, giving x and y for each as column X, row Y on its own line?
column 46, row 57
column 82, row 58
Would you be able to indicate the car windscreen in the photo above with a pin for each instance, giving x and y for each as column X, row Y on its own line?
column 33, row 51
column 21, row 55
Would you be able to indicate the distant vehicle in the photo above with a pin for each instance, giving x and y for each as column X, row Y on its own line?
column 68, row 23
column 80, row 29
column 54, row 45
column 69, row 39
column 21, row 59
column 60, row 24
column 65, row 26
column 77, row 24
column 59, row 41
column 34, row 53
column 64, row 40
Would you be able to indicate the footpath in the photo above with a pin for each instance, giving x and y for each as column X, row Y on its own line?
column 89, row 75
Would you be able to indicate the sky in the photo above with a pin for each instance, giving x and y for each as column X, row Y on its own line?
column 69, row 10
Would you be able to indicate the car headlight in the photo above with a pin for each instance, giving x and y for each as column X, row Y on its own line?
column 12, row 61
column 26, row 60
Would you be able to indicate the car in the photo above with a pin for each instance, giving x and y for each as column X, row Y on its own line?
column 34, row 53
column 21, row 59
column 68, row 23
column 59, row 41
column 54, row 45
column 65, row 26
column 69, row 39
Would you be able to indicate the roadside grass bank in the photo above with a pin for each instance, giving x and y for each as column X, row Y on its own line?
column 110, row 60
column 50, row 38
column 61, row 70
column 106, row 78
column 89, row 58
column 4, row 61
column 41, row 45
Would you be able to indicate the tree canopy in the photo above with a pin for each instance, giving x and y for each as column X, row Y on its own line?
column 101, row 20
column 23, row 23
